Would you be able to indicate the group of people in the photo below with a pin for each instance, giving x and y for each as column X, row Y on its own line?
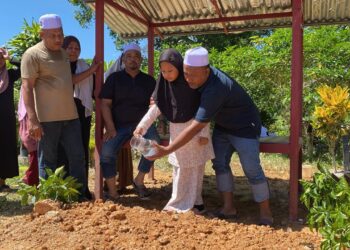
column 57, row 95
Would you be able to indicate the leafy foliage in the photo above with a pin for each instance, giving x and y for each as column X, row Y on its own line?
column 84, row 14
column 329, row 117
column 328, row 202
column 29, row 36
column 55, row 187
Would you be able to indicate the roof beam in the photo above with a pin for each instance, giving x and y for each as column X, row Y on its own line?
column 127, row 12
column 137, row 5
column 223, row 19
column 216, row 6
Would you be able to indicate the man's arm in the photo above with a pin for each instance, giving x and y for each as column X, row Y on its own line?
column 35, row 129
column 106, row 109
column 184, row 137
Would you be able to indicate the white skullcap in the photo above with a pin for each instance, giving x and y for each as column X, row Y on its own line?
column 50, row 21
column 131, row 46
column 196, row 57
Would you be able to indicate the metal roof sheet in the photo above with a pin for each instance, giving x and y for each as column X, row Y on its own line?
column 161, row 12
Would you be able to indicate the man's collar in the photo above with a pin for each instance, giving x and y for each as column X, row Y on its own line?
column 210, row 76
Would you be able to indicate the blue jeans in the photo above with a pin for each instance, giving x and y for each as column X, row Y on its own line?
column 111, row 147
column 67, row 134
column 248, row 151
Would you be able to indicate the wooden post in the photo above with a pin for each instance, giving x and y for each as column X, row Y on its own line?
column 296, row 106
column 150, row 52
column 99, row 33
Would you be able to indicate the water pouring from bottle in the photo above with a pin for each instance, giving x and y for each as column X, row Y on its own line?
column 143, row 145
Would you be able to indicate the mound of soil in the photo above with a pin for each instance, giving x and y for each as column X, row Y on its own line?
column 136, row 224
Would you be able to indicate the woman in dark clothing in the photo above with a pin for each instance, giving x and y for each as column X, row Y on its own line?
column 8, row 141
column 83, row 81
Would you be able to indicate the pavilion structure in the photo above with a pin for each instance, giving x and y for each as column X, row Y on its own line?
column 150, row 18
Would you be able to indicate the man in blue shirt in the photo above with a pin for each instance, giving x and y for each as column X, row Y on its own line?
column 237, row 127
column 125, row 100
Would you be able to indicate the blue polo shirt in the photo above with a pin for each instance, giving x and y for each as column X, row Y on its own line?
column 130, row 97
column 225, row 102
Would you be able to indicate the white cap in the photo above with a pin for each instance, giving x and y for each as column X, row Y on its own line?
column 131, row 46
column 50, row 21
column 196, row 57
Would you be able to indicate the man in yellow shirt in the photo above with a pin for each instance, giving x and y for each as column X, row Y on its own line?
column 48, row 97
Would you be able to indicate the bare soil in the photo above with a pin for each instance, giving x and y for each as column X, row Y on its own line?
column 136, row 224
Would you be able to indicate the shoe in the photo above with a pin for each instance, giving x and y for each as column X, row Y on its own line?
column 107, row 197
column 122, row 191
column 265, row 222
column 142, row 192
column 199, row 209
column 221, row 215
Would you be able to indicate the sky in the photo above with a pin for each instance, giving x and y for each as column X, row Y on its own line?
column 14, row 12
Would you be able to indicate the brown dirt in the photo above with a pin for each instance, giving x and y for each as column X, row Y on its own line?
column 136, row 224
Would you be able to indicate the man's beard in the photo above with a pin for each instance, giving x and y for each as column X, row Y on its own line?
column 134, row 67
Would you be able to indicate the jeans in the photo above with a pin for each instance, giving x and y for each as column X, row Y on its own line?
column 67, row 134
column 248, row 151
column 111, row 147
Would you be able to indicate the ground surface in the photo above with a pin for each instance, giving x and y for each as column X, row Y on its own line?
column 136, row 224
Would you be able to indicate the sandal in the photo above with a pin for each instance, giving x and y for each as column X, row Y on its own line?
column 265, row 222
column 142, row 192
column 107, row 197
column 199, row 209
column 221, row 215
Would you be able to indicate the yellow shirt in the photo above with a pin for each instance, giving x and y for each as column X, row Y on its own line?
column 53, row 90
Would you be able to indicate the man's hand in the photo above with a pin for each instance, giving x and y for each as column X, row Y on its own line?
column 160, row 152
column 35, row 130
column 109, row 134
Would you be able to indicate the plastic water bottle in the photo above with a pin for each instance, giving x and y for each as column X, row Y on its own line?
column 144, row 146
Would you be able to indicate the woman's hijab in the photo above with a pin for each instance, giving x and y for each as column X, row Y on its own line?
column 176, row 100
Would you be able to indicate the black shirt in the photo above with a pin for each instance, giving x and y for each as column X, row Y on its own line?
column 225, row 102
column 130, row 96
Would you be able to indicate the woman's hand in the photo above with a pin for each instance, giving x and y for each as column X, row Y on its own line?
column 5, row 53
column 138, row 132
column 95, row 65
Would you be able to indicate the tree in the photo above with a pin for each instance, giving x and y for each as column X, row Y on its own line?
column 28, row 37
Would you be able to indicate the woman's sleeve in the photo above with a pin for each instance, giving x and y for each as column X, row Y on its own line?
column 149, row 118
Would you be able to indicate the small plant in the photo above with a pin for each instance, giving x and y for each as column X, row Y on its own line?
column 55, row 187
column 328, row 201
column 329, row 118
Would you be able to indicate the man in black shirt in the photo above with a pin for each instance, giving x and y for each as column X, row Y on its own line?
column 125, row 100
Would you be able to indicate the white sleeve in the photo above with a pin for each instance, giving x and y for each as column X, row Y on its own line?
column 149, row 118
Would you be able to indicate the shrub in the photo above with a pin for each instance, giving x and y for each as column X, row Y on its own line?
column 328, row 200
column 55, row 187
